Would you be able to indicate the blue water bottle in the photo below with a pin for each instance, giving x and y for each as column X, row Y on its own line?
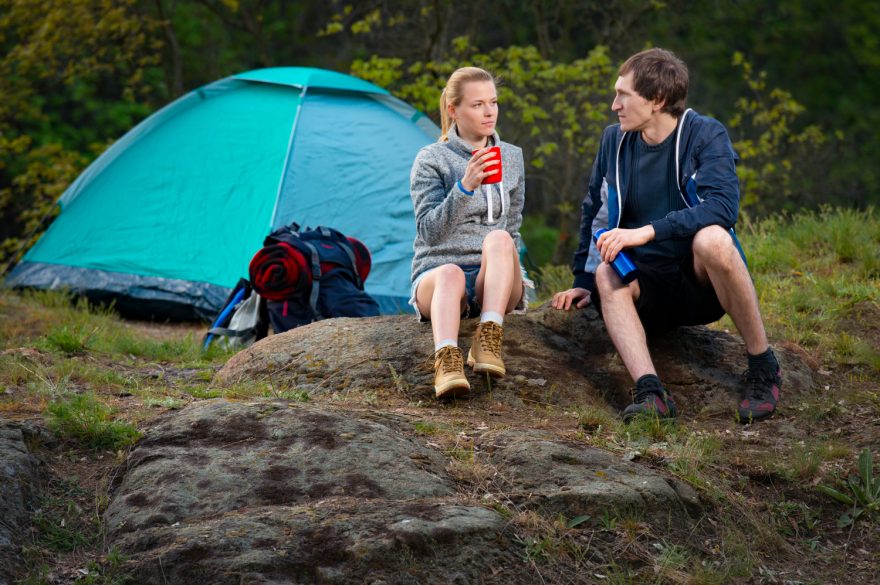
column 622, row 265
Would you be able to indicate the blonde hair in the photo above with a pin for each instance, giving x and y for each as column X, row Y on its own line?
column 454, row 91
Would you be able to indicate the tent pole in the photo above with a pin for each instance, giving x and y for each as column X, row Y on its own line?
column 288, row 156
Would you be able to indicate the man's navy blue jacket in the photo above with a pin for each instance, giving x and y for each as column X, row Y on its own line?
column 705, row 165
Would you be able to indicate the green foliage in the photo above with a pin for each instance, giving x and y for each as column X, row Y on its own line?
column 73, row 75
column 551, row 279
column 595, row 420
column 168, row 402
column 541, row 240
column 691, row 458
column 86, row 420
column 765, row 119
column 290, row 394
column 864, row 492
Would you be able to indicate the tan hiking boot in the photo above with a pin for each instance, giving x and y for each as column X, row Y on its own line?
column 449, row 380
column 485, row 352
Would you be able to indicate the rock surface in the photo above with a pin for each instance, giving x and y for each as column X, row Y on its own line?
column 553, row 357
column 566, row 479
column 226, row 492
column 19, row 481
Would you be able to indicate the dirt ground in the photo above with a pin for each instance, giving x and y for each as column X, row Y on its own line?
column 769, row 464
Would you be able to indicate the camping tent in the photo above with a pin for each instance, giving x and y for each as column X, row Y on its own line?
column 166, row 220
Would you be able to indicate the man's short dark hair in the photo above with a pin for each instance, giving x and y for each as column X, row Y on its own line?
column 658, row 75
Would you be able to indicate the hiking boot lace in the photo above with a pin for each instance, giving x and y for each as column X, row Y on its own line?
column 450, row 360
column 758, row 384
column 490, row 338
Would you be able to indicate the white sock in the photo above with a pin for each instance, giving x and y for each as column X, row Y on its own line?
column 492, row 316
column 444, row 342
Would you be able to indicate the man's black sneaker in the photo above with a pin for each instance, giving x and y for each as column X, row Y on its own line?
column 760, row 394
column 650, row 398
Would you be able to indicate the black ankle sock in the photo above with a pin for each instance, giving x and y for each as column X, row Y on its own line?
column 647, row 378
column 764, row 360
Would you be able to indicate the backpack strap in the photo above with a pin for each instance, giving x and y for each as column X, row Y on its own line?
column 231, row 332
column 342, row 241
column 316, row 276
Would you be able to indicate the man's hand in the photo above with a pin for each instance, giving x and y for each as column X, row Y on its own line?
column 576, row 298
column 613, row 241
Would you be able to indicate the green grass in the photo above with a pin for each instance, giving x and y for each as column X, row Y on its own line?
column 168, row 402
column 595, row 420
column 818, row 279
column 425, row 428
column 86, row 420
column 691, row 459
column 73, row 326
column 60, row 524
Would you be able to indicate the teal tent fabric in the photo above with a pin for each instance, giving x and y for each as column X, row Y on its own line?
column 165, row 222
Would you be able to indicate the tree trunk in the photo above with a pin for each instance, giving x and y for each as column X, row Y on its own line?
column 174, row 62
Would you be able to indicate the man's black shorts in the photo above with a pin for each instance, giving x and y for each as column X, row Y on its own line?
column 671, row 296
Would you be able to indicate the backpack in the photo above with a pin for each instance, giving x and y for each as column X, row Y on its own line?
column 311, row 274
column 243, row 319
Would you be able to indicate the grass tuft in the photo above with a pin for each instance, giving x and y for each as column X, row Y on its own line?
column 86, row 420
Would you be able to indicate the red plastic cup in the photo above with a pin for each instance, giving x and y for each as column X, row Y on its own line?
column 496, row 178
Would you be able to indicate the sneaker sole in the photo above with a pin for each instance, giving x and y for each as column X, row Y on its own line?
column 751, row 418
column 671, row 414
column 484, row 368
column 452, row 389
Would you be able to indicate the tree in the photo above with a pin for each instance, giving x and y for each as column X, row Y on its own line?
column 73, row 75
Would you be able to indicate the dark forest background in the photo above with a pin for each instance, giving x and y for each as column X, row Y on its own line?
column 797, row 83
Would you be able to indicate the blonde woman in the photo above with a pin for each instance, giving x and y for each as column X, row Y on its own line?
column 466, row 260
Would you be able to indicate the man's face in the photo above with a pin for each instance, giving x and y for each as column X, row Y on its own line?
column 633, row 111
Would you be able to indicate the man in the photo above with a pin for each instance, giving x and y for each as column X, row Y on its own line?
column 664, row 184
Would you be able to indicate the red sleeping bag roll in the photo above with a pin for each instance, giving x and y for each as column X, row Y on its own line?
column 279, row 271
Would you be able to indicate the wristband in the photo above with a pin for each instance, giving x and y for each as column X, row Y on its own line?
column 462, row 189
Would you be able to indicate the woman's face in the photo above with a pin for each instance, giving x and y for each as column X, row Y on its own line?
column 477, row 112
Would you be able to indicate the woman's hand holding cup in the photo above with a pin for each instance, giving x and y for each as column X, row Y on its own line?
column 478, row 167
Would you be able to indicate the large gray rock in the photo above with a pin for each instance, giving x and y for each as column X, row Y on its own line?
column 270, row 492
column 539, row 471
column 554, row 357
column 19, row 483
column 226, row 492
column 337, row 540
column 215, row 457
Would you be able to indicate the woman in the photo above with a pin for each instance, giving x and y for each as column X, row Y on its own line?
column 466, row 260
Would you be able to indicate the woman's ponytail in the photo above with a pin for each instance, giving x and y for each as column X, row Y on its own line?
column 444, row 116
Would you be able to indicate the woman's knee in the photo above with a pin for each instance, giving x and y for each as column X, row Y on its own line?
column 449, row 276
column 498, row 241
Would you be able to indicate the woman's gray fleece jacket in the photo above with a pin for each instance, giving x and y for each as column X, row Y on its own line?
column 450, row 224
